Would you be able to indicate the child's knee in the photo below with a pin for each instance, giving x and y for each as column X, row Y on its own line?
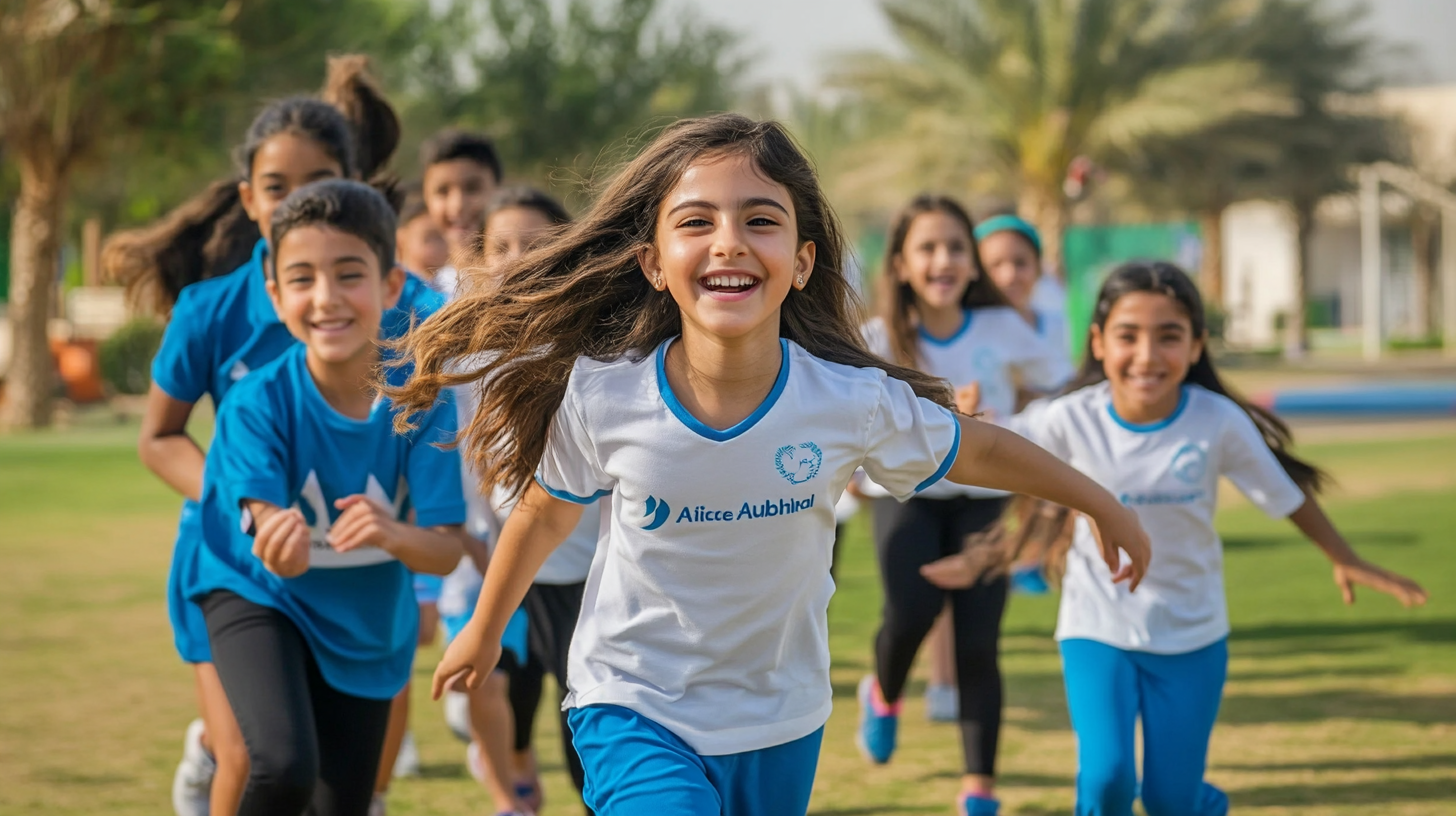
column 283, row 776
column 1106, row 787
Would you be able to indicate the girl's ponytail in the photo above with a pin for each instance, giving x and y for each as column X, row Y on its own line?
column 350, row 88
column 207, row 236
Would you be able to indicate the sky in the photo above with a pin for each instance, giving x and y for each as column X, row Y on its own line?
column 790, row 39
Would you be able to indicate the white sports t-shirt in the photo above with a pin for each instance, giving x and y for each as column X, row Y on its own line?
column 706, row 607
column 995, row 347
column 1168, row 473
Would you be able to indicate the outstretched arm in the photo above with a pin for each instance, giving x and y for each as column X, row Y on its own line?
column 536, row 527
column 994, row 457
column 1350, row 568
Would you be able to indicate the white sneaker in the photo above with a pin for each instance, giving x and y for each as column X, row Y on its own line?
column 942, row 703
column 474, row 762
column 457, row 714
column 376, row 805
column 407, row 761
column 192, row 784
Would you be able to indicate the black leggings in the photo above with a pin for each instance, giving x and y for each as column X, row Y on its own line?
column 907, row 537
column 553, row 610
column 312, row 748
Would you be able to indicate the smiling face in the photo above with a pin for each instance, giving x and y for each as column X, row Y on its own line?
column 1146, row 348
column 1012, row 264
column 455, row 193
column 282, row 164
column 727, row 248
column 935, row 260
column 330, row 292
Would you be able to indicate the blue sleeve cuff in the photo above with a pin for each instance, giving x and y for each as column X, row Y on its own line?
column 950, row 457
column 264, row 490
column 443, row 516
column 571, row 497
column 175, row 389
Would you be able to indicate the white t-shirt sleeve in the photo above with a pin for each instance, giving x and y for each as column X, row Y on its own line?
column 569, row 468
column 912, row 441
column 1043, row 366
column 1248, row 462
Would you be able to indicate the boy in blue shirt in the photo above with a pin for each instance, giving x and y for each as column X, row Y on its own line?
column 305, row 577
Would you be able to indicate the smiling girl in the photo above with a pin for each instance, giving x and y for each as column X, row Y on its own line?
column 689, row 348
column 941, row 313
column 1152, row 422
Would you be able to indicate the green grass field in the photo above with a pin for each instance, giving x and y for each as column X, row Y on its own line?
column 1329, row 710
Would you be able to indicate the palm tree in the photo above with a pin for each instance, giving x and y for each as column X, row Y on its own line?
column 1015, row 90
column 1323, row 58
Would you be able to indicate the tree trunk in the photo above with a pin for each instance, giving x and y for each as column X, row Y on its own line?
column 1047, row 211
column 35, row 244
column 1210, row 269
column 1296, row 338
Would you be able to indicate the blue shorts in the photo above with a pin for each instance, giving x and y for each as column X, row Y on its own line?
column 635, row 766
column 513, row 640
column 427, row 588
column 189, row 630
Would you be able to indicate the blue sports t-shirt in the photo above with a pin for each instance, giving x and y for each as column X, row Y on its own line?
column 220, row 330
column 279, row 441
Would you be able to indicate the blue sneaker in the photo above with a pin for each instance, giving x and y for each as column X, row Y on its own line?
column 878, row 723
column 973, row 805
column 1029, row 581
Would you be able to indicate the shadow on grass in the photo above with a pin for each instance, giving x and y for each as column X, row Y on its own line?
column 442, row 770
column 1011, row 780
column 1380, row 792
column 1358, row 704
column 1359, row 538
column 874, row 809
column 1414, row 763
column 1315, row 672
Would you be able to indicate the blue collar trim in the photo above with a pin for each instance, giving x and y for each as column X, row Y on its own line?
column 936, row 341
column 694, row 424
column 1151, row 426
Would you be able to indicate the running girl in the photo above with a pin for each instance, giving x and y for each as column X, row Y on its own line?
column 1011, row 252
column 305, row 577
column 941, row 313
column 689, row 348
column 221, row 329
column 1152, row 422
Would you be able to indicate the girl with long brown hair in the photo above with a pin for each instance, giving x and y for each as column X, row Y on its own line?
column 940, row 312
column 689, row 348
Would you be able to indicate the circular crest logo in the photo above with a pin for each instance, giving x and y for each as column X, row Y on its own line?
column 799, row 463
column 1190, row 463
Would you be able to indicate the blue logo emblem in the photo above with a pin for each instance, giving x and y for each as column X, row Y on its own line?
column 657, row 513
column 799, row 463
column 1190, row 464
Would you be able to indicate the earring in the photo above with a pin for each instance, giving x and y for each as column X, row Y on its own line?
column 657, row 282
column 801, row 281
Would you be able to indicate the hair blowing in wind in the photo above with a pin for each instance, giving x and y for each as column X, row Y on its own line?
column 583, row 293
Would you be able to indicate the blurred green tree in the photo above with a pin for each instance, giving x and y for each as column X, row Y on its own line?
column 557, row 86
column 1326, row 59
column 127, row 101
column 1017, row 90
column 71, row 73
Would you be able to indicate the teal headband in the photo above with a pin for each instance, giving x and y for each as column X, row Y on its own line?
column 1008, row 223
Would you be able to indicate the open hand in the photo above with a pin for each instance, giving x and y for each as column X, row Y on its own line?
column 364, row 523
column 282, row 542
column 1120, row 530
column 1403, row 589
column 470, row 658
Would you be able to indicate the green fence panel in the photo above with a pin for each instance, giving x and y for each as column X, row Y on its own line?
column 1091, row 252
